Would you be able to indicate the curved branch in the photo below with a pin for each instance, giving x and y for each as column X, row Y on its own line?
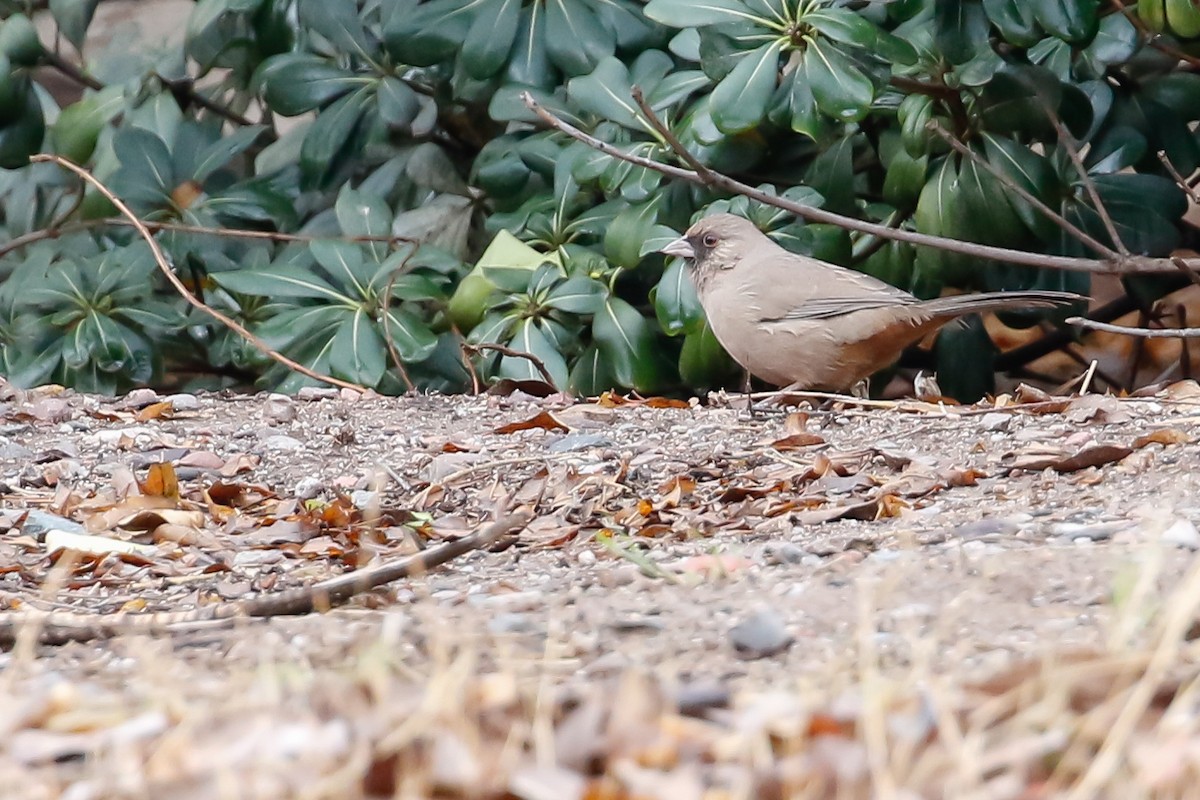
column 1121, row 266
column 1142, row 333
column 173, row 279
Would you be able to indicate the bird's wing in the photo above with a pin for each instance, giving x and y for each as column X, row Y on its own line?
column 828, row 307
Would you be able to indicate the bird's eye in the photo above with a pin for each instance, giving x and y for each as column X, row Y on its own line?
column 710, row 240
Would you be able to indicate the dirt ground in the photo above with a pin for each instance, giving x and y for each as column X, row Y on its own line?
column 907, row 600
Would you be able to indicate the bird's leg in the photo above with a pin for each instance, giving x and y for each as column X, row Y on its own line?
column 748, row 393
column 862, row 389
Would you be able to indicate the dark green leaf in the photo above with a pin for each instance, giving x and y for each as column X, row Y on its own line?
column 575, row 40
column 696, row 13
column 627, row 340
column 222, row 151
column 362, row 214
column 607, row 92
column 832, row 174
column 528, row 338
column 576, row 295
column 411, row 336
column 294, row 83
column 739, row 102
column 73, row 18
column 398, row 104
column 344, row 263
column 624, row 237
column 429, row 33
column 358, row 352
column 146, row 177
column 1117, row 148
column 960, row 28
column 841, row 89
column 333, row 138
column 966, row 360
column 592, row 374
column 1074, row 21
column 1115, row 43
column 281, row 281
column 1015, row 19
column 942, row 212
column 530, row 64
column 490, row 39
column 337, row 22
column 702, row 361
column 675, row 301
column 1029, row 170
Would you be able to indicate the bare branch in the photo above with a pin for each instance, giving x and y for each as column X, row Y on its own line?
column 1133, row 264
column 173, row 279
column 1144, row 333
column 538, row 364
column 1179, row 179
column 1187, row 270
column 1153, row 38
column 672, row 141
column 1072, row 147
column 1024, row 194
column 54, row 231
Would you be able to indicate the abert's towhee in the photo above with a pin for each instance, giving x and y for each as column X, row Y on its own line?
column 802, row 323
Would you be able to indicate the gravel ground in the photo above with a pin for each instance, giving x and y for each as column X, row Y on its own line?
column 719, row 557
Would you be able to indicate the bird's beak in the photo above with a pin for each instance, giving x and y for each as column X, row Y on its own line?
column 680, row 247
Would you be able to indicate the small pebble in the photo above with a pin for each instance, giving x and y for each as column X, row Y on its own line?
column 760, row 635
column 183, row 402
column 578, row 441
column 1182, row 533
column 308, row 488
column 279, row 408
column 282, row 442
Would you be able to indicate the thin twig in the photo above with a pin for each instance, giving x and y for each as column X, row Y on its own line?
column 1144, row 333
column 1132, row 264
column 503, row 462
column 538, row 364
column 77, row 75
column 670, row 138
column 1058, row 219
column 1185, row 355
column 476, row 387
column 1087, row 378
column 1152, row 38
column 1179, row 179
column 1193, row 276
column 173, row 279
column 55, row 232
column 1070, row 352
column 1072, row 147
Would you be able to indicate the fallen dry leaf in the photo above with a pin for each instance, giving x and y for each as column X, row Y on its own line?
column 797, row 441
column 163, row 410
column 1163, row 436
column 161, row 481
column 543, row 420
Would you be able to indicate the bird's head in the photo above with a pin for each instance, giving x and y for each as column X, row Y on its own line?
column 714, row 244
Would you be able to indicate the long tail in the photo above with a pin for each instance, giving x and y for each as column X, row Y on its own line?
column 957, row 305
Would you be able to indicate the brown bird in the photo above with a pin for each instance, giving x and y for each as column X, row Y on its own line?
column 802, row 323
